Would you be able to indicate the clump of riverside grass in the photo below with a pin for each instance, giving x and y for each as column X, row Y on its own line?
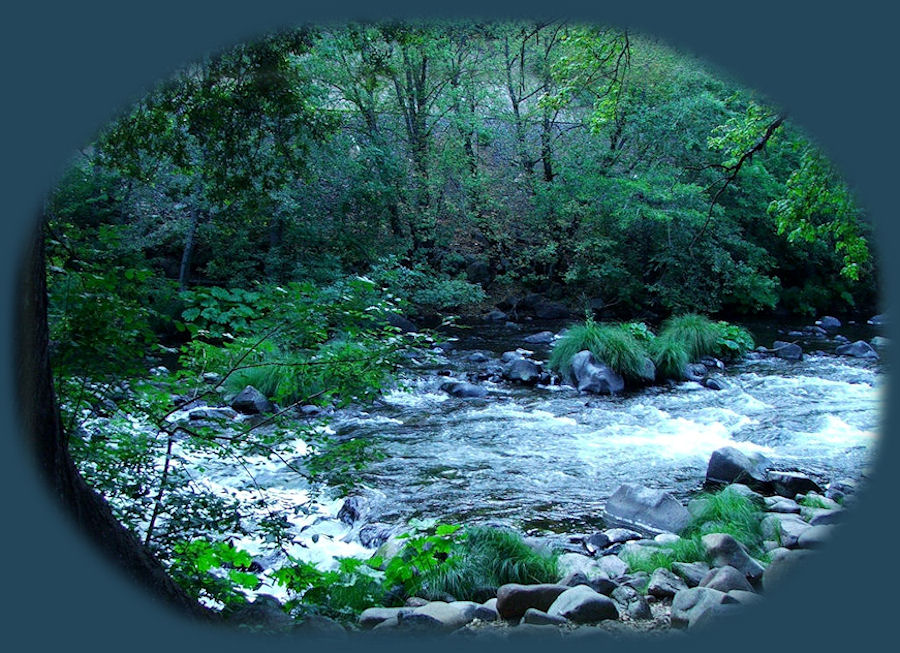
column 486, row 557
column 726, row 511
column 613, row 344
column 625, row 348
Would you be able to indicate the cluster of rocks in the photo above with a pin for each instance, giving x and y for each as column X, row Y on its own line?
column 826, row 327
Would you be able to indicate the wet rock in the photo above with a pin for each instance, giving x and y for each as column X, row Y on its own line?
column 251, row 401
column 583, row 605
column 478, row 357
column 858, row 349
column 790, row 484
column 496, row 316
column 691, row 572
column 374, row 535
column 716, row 383
column 352, row 510
column 787, row 350
column 841, row 339
column 722, row 549
column 725, row 579
column 631, row 602
column 514, row 599
column 731, row 465
column 878, row 320
column 665, row 584
column 829, row 323
column 595, row 542
column 656, row 510
column 464, row 390
column 522, row 370
column 589, row 375
column 815, row 537
column 694, row 372
column 212, row 378
column 815, row 331
column 542, row 338
column 712, row 363
column 399, row 322
column 540, row 618
column 688, row 605
column 879, row 342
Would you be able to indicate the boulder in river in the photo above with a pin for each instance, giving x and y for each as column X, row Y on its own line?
column 858, row 349
column 651, row 509
column 523, row 370
column 731, row 465
column 542, row 338
column 790, row 484
column 592, row 376
column 829, row 323
column 787, row 350
column 464, row 390
column 251, row 401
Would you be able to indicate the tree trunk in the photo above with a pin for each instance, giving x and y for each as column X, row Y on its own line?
column 184, row 271
column 43, row 428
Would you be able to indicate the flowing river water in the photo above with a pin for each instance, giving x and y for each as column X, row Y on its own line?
column 545, row 459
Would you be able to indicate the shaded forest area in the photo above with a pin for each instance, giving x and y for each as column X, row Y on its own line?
column 466, row 165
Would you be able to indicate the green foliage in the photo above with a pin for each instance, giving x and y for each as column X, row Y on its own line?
column 814, row 502
column 340, row 594
column 733, row 341
column 216, row 312
column 613, row 344
column 650, row 558
column 339, row 464
column 213, row 570
column 426, row 550
column 424, row 288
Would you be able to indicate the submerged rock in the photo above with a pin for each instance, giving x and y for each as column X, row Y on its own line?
column 542, row 338
column 787, row 350
column 464, row 390
column 523, row 370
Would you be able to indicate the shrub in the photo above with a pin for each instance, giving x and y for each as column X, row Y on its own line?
column 733, row 341
column 613, row 344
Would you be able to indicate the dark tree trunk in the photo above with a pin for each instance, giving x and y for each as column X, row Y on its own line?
column 184, row 271
column 43, row 427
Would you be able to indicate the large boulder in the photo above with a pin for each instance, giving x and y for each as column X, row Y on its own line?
column 588, row 375
column 583, row 605
column 514, row 599
column 251, row 401
column 787, row 350
column 731, row 465
column 722, row 549
column 858, row 349
column 651, row 509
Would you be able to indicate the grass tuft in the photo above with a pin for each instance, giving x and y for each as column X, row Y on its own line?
column 697, row 334
column 613, row 344
column 670, row 356
column 489, row 557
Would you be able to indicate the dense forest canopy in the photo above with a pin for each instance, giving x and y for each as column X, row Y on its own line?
column 574, row 161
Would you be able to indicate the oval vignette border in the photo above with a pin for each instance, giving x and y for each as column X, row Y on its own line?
column 71, row 68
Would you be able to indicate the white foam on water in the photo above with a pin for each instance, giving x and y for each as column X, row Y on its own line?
column 838, row 433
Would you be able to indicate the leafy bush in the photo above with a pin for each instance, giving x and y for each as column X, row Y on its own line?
column 340, row 594
column 423, row 287
column 613, row 344
column 733, row 341
column 213, row 570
